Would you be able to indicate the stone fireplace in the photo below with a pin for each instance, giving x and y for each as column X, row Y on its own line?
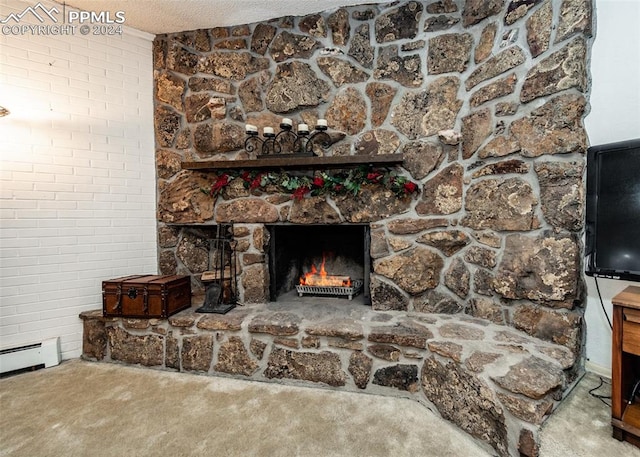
column 473, row 280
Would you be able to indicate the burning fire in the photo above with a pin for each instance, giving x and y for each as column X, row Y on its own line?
column 313, row 278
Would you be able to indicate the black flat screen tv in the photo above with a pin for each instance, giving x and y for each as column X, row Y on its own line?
column 613, row 211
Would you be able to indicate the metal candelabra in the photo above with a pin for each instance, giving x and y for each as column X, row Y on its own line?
column 300, row 143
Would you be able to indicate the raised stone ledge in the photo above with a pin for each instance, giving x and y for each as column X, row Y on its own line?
column 464, row 367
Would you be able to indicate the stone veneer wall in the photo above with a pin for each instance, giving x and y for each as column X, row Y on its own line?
column 484, row 98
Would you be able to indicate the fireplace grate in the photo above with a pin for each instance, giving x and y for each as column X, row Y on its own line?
column 336, row 291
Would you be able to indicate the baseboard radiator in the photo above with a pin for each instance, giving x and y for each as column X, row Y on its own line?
column 46, row 353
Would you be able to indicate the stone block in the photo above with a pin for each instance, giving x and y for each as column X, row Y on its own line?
column 425, row 113
column 436, row 302
column 442, row 194
column 486, row 308
column 338, row 22
column 476, row 10
column 406, row 70
column 263, row 34
column 422, row 157
column 182, row 200
column 498, row 204
column 528, row 443
column 360, row 47
column 447, row 349
column 197, row 352
column 449, row 53
column 340, row 71
column 169, row 89
column 401, row 377
column 497, row 89
column 532, row 377
column 372, row 204
column 457, row 278
column 528, row 410
column 193, row 252
column 478, row 360
column 360, row 368
column 409, row 226
column 496, row 65
column 347, row 329
column 167, row 124
column 562, row 193
column 145, row 350
column 257, row 348
column 233, row 358
column 439, row 23
column 347, row 112
column 554, row 128
column 539, row 29
column 250, row 210
column 575, row 16
column 415, row 270
column 399, row 23
column 562, row 70
column 454, row 330
column 231, row 65
column 542, row 269
column 386, row 297
column 558, row 327
column 409, row 334
column 467, row 401
column 447, row 241
column 385, row 352
column 313, row 210
column 377, row 142
column 322, row 367
column 314, row 25
column 279, row 324
column 294, row 86
column 184, row 319
column 94, row 338
column 288, row 45
column 485, row 44
column 481, row 256
column 230, row 321
column 172, row 353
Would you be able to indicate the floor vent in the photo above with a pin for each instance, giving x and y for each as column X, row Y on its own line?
column 45, row 353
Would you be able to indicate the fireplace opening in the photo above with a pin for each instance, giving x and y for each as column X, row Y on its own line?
column 319, row 261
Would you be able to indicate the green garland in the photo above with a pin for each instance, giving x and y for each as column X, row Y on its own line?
column 321, row 183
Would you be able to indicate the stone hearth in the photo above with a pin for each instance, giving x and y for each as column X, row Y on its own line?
column 497, row 384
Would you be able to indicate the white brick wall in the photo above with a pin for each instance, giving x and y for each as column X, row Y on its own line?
column 77, row 176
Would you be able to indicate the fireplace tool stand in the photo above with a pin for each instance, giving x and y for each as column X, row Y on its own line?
column 221, row 294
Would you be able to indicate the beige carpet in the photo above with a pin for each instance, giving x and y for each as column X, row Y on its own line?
column 82, row 408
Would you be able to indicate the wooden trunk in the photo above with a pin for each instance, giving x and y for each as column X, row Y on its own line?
column 146, row 296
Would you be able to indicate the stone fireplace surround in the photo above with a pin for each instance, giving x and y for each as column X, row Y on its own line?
column 476, row 292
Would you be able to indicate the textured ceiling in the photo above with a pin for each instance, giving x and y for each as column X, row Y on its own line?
column 167, row 16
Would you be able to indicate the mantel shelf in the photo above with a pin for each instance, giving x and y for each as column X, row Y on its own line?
column 308, row 163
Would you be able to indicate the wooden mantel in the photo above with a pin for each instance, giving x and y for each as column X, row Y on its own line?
column 308, row 163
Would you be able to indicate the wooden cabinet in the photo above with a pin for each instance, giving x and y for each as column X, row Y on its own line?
column 625, row 369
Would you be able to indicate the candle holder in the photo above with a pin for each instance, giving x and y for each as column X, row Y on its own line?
column 302, row 143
